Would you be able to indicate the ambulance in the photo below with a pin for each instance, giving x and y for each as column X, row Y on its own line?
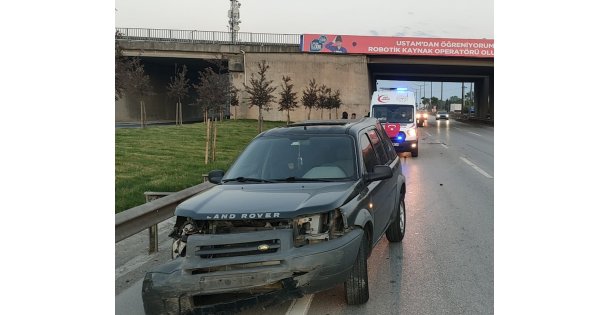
column 396, row 111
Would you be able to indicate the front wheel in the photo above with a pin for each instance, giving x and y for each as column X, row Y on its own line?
column 396, row 231
column 356, row 285
column 415, row 151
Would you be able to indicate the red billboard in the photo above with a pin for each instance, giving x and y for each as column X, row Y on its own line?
column 406, row 46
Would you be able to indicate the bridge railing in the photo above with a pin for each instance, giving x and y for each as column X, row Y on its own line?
column 186, row 36
column 148, row 215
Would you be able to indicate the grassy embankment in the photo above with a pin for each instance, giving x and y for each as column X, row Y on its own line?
column 170, row 158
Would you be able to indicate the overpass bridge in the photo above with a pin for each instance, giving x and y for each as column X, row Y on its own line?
column 353, row 73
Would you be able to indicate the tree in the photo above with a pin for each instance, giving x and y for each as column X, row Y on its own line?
column 260, row 92
column 434, row 102
column 120, row 69
column 138, row 83
column 178, row 88
column 213, row 91
column 234, row 98
column 288, row 98
column 323, row 99
column 310, row 96
column 425, row 101
column 335, row 102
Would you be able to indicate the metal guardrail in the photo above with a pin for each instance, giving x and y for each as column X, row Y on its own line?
column 194, row 36
column 148, row 215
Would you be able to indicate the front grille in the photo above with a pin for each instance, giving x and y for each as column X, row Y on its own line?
column 238, row 249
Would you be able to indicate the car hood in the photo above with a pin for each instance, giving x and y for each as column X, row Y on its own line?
column 265, row 201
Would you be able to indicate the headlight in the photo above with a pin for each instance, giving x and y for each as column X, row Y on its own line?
column 426, row 115
column 318, row 228
column 446, row 115
column 411, row 132
column 417, row 115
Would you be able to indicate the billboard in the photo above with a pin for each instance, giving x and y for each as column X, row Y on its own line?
column 406, row 46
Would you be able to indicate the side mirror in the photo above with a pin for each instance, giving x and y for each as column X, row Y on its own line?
column 380, row 172
column 216, row 176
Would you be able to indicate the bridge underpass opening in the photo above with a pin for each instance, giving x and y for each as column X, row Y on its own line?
column 458, row 76
column 159, row 106
column 437, row 96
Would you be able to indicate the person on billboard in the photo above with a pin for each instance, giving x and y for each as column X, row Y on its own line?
column 336, row 45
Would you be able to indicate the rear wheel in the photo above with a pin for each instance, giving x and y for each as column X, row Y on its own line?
column 396, row 230
column 356, row 285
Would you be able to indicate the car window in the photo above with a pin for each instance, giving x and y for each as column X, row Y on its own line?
column 369, row 156
column 377, row 144
column 393, row 113
column 302, row 156
column 388, row 145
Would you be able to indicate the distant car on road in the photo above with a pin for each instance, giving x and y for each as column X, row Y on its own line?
column 421, row 118
column 298, row 212
column 442, row 115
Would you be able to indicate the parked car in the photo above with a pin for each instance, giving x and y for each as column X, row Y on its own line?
column 298, row 212
column 442, row 115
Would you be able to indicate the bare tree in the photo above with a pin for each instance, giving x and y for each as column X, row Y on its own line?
column 310, row 96
column 138, row 83
column 178, row 88
column 212, row 91
column 234, row 98
column 288, row 97
column 260, row 92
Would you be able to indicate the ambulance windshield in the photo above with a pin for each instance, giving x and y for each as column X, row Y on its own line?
column 393, row 113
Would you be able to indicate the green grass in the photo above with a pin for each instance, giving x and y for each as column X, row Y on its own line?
column 170, row 158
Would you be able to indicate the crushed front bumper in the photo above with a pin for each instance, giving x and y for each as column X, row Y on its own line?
column 202, row 284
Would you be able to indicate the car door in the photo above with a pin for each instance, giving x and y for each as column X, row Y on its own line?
column 379, row 191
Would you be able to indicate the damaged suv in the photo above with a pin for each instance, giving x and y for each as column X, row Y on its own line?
column 298, row 212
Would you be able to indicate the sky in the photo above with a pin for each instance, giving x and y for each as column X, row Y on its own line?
column 428, row 18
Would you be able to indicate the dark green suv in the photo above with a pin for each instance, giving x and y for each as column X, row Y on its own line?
column 298, row 212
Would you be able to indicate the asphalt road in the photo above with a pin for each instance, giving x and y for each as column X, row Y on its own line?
column 445, row 264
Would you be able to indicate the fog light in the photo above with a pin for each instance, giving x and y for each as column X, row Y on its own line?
column 413, row 145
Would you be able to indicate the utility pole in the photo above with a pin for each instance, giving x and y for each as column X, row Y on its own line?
column 431, row 98
column 234, row 19
column 441, row 91
column 471, row 96
column 463, row 98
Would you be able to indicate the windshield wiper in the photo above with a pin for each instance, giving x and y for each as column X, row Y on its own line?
column 301, row 179
column 241, row 179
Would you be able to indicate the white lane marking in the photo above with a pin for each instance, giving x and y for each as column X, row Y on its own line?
column 428, row 134
column 475, row 133
column 443, row 145
column 300, row 306
column 476, row 168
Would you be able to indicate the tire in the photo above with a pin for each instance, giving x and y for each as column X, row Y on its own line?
column 396, row 231
column 356, row 285
column 415, row 151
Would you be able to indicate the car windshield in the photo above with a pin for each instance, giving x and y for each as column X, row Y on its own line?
column 442, row 113
column 292, row 158
column 394, row 113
